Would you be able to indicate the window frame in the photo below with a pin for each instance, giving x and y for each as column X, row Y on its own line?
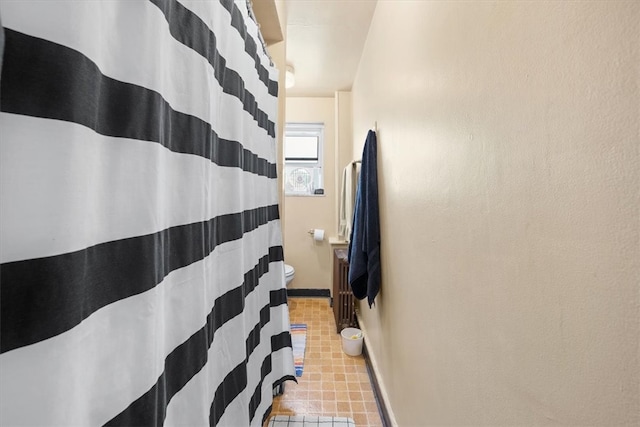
column 315, row 129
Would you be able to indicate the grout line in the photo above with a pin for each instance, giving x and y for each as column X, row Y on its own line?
column 325, row 360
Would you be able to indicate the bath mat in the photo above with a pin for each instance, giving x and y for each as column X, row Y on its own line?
column 310, row 421
column 298, row 342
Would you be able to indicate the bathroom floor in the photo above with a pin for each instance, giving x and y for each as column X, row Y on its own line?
column 332, row 384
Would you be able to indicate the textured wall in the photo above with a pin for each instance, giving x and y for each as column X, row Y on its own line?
column 509, row 167
column 311, row 259
column 343, row 144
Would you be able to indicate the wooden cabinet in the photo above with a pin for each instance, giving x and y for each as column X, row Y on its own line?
column 343, row 300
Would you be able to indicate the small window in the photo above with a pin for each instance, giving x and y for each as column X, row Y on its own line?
column 301, row 149
column 303, row 159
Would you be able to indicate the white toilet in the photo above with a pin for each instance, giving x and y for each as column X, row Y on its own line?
column 289, row 272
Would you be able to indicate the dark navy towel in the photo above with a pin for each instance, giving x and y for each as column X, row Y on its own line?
column 364, row 245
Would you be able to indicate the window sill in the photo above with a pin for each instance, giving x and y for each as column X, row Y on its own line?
column 304, row 195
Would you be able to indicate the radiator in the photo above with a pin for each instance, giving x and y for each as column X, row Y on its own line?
column 343, row 301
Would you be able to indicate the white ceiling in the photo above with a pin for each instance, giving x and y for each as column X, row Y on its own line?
column 325, row 39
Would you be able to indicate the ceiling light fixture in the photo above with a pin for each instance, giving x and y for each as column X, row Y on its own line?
column 290, row 77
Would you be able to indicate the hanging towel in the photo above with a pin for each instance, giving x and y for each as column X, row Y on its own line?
column 364, row 245
column 347, row 198
column 342, row 226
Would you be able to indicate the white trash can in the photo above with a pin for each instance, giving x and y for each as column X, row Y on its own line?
column 352, row 341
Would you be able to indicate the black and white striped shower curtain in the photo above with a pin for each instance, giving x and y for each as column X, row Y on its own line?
column 142, row 276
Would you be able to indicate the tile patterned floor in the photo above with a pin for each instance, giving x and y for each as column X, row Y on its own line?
column 333, row 384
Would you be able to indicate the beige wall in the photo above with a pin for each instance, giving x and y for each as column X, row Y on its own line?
column 509, row 195
column 278, row 53
column 272, row 17
column 311, row 259
column 344, row 145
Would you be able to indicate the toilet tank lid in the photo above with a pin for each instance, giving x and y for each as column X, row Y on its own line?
column 288, row 269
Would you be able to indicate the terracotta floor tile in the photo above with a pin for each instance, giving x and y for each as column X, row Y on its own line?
column 329, row 395
column 328, row 386
column 288, row 394
column 315, row 376
column 338, row 369
column 327, row 365
column 368, row 396
column 333, row 383
column 360, row 419
column 341, row 386
column 315, row 385
column 344, row 408
column 374, row 419
column 355, row 396
column 315, row 395
column 293, row 405
column 362, row 369
column 340, row 365
column 284, row 411
column 301, row 395
column 371, row 406
column 357, row 406
column 353, row 386
column 342, row 396
column 315, row 407
column 350, row 369
column 329, row 407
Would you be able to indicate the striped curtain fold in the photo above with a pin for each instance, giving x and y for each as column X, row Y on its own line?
column 141, row 261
